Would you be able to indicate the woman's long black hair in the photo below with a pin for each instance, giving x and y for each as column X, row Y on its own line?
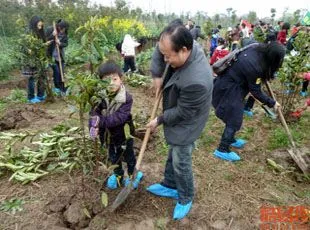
column 273, row 54
column 34, row 29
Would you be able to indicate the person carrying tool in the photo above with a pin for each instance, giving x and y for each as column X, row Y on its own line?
column 109, row 118
column 187, row 94
column 58, row 37
column 255, row 64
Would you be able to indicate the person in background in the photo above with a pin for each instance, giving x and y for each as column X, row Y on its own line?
column 235, row 37
column 62, row 42
column 214, row 38
column 295, row 28
column 31, row 70
column 220, row 51
column 196, row 33
column 281, row 37
column 129, row 53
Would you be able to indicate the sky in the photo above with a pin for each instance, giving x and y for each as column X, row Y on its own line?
column 261, row 7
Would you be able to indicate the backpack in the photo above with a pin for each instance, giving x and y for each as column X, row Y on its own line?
column 222, row 64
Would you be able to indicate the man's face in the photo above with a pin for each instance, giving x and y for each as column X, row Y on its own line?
column 175, row 59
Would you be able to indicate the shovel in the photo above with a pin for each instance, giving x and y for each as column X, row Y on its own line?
column 266, row 109
column 58, row 54
column 295, row 154
column 122, row 196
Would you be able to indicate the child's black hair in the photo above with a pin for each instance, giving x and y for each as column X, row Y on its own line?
column 62, row 24
column 109, row 67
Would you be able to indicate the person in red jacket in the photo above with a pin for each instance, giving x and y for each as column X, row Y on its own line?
column 283, row 33
column 220, row 51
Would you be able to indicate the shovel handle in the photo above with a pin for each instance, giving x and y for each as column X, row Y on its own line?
column 271, row 114
column 282, row 119
column 58, row 54
column 159, row 94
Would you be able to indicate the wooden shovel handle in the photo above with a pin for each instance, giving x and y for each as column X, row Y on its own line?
column 153, row 115
column 58, row 54
column 282, row 119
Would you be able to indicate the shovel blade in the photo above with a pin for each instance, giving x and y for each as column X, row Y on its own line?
column 122, row 196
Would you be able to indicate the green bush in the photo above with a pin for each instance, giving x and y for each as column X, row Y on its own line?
column 7, row 60
column 143, row 60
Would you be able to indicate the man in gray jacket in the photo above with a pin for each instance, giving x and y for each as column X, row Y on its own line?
column 187, row 92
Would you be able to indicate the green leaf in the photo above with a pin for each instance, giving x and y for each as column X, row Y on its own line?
column 104, row 199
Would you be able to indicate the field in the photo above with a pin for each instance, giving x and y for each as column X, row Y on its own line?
column 228, row 195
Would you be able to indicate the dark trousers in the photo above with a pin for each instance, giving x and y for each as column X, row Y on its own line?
column 305, row 86
column 57, row 76
column 227, row 139
column 40, row 80
column 120, row 152
column 249, row 103
column 129, row 63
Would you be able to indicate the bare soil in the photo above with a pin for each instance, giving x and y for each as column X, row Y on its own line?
column 228, row 196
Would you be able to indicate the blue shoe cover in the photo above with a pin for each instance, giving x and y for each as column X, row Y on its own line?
column 160, row 190
column 248, row 113
column 114, row 181
column 41, row 98
column 288, row 91
column 57, row 91
column 181, row 210
column 34, row 100
column 231, row 156
column 136, row 181
column 239, row 143
column 303, row 94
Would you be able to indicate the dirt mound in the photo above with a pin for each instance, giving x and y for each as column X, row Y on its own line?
column 21, row 117
column 17, row 82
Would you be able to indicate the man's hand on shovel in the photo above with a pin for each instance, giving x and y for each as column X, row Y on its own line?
column 152, row 124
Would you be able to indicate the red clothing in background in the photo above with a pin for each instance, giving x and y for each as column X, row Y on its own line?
column 218, row 54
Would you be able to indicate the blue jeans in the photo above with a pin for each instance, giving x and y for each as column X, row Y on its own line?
column 227, row 139
column 31, row 87
column 179, row 173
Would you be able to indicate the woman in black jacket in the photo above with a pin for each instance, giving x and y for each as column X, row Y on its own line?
column 32, row 68
column 254, row 65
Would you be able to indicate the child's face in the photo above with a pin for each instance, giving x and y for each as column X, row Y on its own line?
column 115, row 82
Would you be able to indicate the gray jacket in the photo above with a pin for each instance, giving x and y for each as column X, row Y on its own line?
column 187, row 99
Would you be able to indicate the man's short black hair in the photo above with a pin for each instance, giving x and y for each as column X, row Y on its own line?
column 179, row 36
column 109, row 67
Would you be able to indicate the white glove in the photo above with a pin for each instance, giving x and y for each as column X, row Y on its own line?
column 277, row 106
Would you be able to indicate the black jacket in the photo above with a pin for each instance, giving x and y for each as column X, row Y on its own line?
column 230, row 88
